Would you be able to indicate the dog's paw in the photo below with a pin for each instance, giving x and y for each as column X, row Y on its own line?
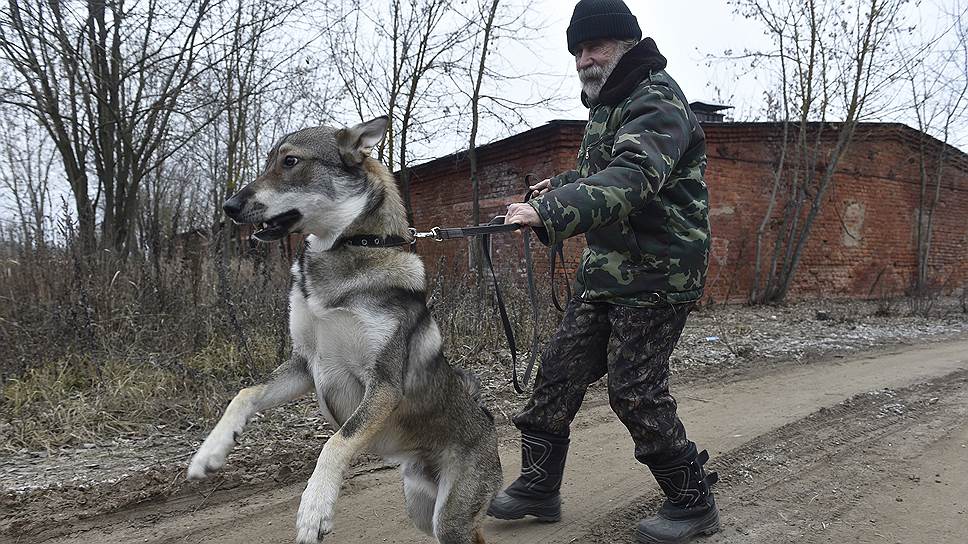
column 310, row 535
column 311, row 531
column 201, row 468
column 210, row 457
column 315, row 516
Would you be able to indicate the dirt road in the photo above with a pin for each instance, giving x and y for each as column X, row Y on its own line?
column 867, row 449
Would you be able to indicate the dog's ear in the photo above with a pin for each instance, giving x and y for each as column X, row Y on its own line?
column 356, row 142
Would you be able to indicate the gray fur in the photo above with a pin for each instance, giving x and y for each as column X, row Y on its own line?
column 364, row 340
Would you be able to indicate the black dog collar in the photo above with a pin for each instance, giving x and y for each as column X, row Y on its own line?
column 371, row 240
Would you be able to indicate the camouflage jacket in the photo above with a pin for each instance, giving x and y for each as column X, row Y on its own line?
column 638, row 193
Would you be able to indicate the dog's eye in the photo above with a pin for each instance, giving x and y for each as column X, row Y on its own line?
column 289, row 161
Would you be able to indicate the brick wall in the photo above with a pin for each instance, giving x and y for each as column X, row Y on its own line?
column 441, row 195
column 862, row 243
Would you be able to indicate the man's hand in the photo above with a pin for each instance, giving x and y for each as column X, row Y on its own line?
column 541, row 187
column 523, row 214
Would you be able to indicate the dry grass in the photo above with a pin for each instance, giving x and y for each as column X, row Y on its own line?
column 80, row 400
column 95, row 347
column 468, row 317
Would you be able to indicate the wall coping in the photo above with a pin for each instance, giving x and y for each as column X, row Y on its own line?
column 553, row 135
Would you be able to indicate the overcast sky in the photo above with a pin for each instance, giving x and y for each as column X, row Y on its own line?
column 686, row 33
column 689, row 33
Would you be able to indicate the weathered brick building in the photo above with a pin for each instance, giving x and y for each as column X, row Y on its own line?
column 863, row 242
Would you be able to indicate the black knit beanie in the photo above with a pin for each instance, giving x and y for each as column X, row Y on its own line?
column 594, row 19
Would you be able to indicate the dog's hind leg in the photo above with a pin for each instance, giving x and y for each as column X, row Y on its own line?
column 420, row 491
column 466, row 489
column 287, row 382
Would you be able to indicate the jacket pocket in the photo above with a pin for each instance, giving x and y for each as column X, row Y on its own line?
column 631, row 238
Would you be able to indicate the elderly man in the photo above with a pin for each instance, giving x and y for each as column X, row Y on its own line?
column 639, row 198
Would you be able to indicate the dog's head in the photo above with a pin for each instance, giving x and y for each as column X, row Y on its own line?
column 313, row 182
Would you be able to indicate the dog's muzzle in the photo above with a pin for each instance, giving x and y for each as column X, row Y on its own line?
column 243, row 212
column 277, row 226
column 233, row 208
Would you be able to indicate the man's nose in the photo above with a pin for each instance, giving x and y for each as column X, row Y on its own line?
column 584, row 60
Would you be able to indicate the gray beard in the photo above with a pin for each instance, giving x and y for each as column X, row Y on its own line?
column 594, row 77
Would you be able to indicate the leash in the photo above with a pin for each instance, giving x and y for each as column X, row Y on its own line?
column 495, row 226
column 484, row 231
column 440, row 234
column 519, row 385
column 555, row 252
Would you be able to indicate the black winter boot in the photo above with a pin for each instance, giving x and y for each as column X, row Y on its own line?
column 535, row 492
column 689, row 509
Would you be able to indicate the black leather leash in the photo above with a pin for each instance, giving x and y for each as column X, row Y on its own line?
column 502, row 310
column 533, row 295
column 439, row 234
column 555, row 253
column 485, row 231
column 495, row 226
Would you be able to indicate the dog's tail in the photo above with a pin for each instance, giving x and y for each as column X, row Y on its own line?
column 472, row 384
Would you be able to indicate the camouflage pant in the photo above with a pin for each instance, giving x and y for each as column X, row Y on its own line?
column 632, row 346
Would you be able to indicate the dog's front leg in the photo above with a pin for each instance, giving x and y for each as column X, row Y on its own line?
column 315, row 517
column 287, row 382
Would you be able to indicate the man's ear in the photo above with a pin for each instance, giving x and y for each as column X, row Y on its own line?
column 356, row 142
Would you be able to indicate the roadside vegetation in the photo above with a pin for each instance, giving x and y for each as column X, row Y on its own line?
column 92, row 348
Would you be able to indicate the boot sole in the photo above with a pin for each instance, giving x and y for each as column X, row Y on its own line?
column 711, row 528
column 545, row 515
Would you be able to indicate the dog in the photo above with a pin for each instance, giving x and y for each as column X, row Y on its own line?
column 363, row 339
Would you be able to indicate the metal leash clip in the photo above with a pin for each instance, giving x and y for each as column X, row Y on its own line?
column 434, row 234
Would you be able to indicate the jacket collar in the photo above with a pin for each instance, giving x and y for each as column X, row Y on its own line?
column 635, row 65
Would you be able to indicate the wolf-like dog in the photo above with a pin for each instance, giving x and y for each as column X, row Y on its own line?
column 363, row 339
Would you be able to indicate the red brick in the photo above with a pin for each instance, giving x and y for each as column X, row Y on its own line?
column 864, row 233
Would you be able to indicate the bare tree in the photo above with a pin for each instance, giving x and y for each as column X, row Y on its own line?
column 937, row 79
column 476, row 80
column 836, row 63
column 486, row 74
column 157, row 113
column 387, row 58
column 487, row 77
column 26, row 163
column 431, row 65
column 436, row 63
column 110, row 84
column 430, row 55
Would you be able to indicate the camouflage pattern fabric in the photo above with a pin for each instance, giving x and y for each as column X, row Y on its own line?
column 632, row 345
column 639, row 197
